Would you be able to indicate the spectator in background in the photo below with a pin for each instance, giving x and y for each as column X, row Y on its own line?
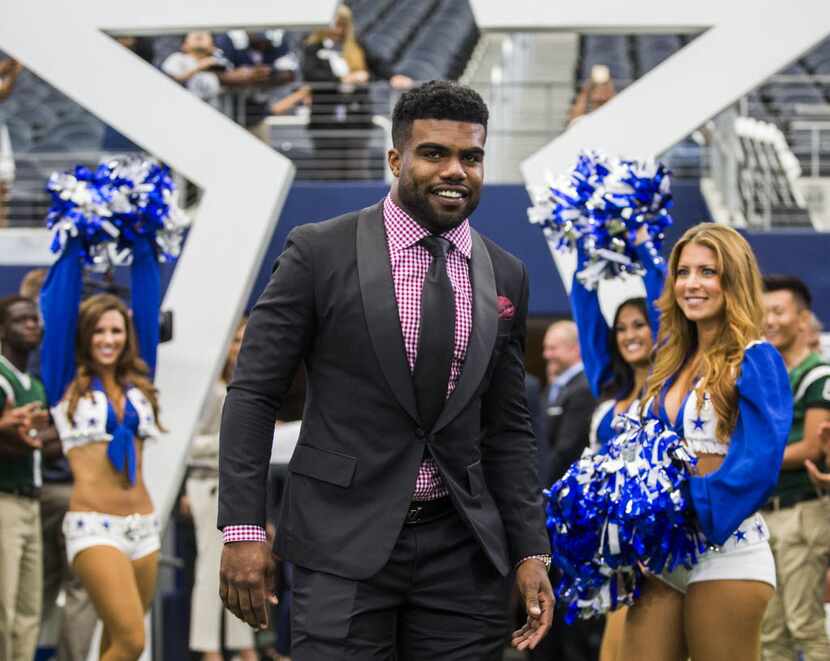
column 568, row 407
column 78, row 618
column 9, row 71
column 202, row 486
column 568, row 400
column 263, row 67
column 596, row 92
column 197, row 65
column 335, row 61
column 799, row 521
column 24, row 417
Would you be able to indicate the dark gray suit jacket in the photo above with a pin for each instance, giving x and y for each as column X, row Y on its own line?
column 568, row 425
column 331, row 303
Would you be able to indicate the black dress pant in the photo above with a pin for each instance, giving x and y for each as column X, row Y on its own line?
column 438, row 597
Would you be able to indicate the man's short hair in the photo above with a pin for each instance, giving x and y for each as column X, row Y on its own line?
column 792, row 284
column 437, row 99
column 6, row 304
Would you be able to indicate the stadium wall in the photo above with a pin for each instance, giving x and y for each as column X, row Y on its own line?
column 501, row 215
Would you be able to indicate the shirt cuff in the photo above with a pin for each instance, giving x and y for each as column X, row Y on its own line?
column 544, row 558
column 244, row 534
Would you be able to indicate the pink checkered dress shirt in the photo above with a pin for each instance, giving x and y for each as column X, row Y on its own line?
column 410, row 263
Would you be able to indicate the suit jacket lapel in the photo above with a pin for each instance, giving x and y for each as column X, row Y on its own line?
column 483, row 334
column 380, row 305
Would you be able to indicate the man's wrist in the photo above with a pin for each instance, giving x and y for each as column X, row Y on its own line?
column 544, row 558
column 244, row 533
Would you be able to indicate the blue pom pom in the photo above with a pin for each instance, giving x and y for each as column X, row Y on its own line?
column 617, row 512
column 601, row 205
column 113, row 206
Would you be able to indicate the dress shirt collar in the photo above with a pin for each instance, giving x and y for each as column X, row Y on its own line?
column 403, row 232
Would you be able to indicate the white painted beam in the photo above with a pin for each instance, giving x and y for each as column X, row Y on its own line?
column 245, row 182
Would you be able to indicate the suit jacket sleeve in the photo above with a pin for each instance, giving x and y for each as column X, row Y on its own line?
column 509, row 446
column 279, row 332
column 574, row 429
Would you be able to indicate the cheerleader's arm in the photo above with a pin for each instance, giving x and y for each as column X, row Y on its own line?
column 146, row 299
column 59, row 301
column 594, row 334
column 653, row 279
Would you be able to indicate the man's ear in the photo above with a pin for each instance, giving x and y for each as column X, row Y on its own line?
column 803, row 319
column 393, row 159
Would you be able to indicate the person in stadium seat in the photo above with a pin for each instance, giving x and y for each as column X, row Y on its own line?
column 595, row 93
column 9, row 71
column 97, row 361
column 341, row 114
column 412, row 494
column 197, row 65
column 23, row 420
column 798, row 519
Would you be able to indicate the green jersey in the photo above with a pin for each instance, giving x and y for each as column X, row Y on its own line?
column 810, row 382
column 16, row 389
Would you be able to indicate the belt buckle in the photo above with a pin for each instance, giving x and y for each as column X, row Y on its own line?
column 414, row 514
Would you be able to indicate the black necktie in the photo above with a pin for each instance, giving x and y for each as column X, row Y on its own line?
column 437, row 334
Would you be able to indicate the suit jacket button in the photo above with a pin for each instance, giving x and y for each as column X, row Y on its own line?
column 420, row 433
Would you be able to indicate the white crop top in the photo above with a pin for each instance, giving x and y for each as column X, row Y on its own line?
column 90, row 423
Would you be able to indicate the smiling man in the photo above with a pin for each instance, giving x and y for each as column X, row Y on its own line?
column 412, row 494
column 22, row 401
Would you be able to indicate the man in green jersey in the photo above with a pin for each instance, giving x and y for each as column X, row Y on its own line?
column 23, row 407
column 798, row 518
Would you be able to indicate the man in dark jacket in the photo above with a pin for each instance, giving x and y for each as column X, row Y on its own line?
column 568, row 402
column 412, row 494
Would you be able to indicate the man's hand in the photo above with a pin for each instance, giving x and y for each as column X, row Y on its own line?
column 246, row 581
column 819, row 479
column 534, row 587
column 23, row 424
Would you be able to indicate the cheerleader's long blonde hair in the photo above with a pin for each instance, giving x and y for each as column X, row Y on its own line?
column 740, row 324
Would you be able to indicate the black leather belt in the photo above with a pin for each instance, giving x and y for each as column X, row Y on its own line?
column 24, row 491
column 424, row 511
column 782, row 502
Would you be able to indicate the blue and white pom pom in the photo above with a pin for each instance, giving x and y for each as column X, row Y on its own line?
column 618, row 512
column 601, row 205
column 112, row 206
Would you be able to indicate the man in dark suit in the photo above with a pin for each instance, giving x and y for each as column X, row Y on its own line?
column 413, row 492
column 568, row 401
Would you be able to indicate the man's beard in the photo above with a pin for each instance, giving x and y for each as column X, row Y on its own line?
column 416, row 202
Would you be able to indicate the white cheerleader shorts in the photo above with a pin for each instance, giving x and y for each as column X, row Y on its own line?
column 745, row 556
column 136, row 535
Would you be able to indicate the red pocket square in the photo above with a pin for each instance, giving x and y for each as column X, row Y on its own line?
column 506, row 308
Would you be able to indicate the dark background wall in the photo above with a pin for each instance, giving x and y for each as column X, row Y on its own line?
column 501, row 215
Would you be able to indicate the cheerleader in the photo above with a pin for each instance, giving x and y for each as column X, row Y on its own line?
column 725, row 392
column 98, row 359
column 617, row 361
